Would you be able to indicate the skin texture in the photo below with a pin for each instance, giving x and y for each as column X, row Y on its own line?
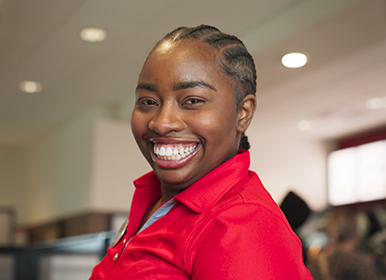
column 184, row 97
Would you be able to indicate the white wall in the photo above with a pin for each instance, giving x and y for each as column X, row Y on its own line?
column 117, row 162
column 287, row 162
column 59, row 171
column 13, row 178
column 88, row 163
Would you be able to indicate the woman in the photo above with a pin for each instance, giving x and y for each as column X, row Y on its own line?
column 200, row 214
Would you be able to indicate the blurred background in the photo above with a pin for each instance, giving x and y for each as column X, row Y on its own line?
column 67, row 155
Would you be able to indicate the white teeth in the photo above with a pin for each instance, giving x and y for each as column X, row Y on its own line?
column 169, row 153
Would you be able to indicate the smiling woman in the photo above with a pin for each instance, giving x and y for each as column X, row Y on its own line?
column 188, row 101
column 200, row 214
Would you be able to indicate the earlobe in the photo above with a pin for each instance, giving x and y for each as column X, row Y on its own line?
column 247, row 109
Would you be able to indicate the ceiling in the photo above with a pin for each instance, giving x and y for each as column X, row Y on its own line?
column 345, row 40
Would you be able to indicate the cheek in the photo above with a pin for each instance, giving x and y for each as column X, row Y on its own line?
column 217, row 126
column 205, row 123
column 138, row 125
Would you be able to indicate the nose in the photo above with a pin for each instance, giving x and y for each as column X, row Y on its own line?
column 167, row 119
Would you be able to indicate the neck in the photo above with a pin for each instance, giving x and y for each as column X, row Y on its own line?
column 168, row 192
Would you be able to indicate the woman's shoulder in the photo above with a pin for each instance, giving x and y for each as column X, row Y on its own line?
column 250, row 206
column 250, row 193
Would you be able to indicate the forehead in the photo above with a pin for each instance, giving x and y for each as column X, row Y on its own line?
column 188, row 59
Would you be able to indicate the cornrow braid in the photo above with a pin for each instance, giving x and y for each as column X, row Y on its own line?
column 233, row 58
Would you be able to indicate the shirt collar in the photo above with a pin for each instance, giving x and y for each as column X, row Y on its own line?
column 208, row 190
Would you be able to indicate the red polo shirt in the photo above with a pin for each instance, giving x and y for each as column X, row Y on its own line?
column 224, row 226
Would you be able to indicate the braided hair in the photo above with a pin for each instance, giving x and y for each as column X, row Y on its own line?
column 233, row 59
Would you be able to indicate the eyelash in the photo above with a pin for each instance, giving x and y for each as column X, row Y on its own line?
column 147, row 102
column 193, row 101
column 188, row 102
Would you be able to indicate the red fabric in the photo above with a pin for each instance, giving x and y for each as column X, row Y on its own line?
column 224, row 226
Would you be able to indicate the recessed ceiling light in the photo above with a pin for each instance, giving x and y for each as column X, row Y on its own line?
column 304, row 125
column 30, row 86
column 92, row 34
column 294, row 60
column 376, row 103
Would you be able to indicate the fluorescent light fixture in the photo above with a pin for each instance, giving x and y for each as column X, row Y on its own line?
column 92, row 34
column 294, row 60
column 30, row 86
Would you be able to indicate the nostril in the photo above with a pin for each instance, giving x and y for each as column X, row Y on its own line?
column 165, row 124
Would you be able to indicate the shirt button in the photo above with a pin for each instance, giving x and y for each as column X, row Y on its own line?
column 115, row 257
column 124, row 241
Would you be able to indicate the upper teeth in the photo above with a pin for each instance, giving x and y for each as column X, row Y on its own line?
column 172, row 152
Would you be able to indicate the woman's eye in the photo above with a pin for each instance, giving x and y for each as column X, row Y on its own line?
column 148, row 102
column 192, row 101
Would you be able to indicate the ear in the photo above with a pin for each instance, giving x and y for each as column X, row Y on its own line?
column 247, row 109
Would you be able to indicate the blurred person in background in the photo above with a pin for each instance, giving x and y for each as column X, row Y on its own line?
column 341, row 259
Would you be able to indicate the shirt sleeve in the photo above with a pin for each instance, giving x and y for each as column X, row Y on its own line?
column 246, row 241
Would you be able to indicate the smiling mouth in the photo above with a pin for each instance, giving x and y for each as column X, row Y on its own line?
column 173, row 151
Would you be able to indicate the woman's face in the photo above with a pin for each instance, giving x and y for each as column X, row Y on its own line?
column 185, row 120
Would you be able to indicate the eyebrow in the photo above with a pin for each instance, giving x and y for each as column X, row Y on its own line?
column 145, row 86
column 177, row 86
column 192, row 84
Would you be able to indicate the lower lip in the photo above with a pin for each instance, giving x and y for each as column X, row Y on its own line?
column 174, row 164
